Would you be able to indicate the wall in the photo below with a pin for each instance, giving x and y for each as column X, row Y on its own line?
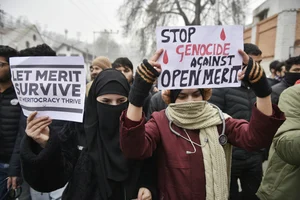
column 266, row 36
column 285, row 34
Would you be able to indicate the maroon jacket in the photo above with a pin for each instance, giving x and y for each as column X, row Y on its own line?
column 181, row 176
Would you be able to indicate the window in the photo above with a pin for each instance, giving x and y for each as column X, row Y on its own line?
column 34, row 37
column 61, row 54
column 74, row 54
column 27, row 44
column 262, row 15
column 68, row 48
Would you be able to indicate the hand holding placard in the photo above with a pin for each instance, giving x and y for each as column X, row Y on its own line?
column 199, row 56
column 37, row 128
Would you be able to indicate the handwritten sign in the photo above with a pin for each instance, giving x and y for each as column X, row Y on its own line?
column 199, row 56
column 53, row 86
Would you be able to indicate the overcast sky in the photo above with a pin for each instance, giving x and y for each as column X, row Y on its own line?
column 77, row 16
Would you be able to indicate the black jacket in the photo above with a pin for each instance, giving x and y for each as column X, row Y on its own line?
column 156, row 104
column 10, row 112
column 60, row 162
column 15, row 165
column 236, row 102
column 278, row 89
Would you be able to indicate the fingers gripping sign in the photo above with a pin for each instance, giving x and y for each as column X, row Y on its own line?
column 144, row 194
column 37, row 128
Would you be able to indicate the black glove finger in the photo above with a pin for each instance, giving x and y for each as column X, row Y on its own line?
column 150, row 68
column 248, row 70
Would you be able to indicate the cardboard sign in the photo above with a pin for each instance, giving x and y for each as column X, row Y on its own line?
column 53, row 86
column 199, row 56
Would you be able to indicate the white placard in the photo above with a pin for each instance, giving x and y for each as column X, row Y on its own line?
column 199, row 56
column 53, row 86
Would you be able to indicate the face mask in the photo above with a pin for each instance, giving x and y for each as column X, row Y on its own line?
column 291, row 78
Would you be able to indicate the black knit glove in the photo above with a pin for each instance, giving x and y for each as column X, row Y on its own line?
column 144, row 78
column 257, row 80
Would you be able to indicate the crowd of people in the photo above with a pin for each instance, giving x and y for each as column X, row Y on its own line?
column 137, row 142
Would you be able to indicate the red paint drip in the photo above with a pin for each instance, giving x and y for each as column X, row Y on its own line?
column 223, row 35
column 165, row 58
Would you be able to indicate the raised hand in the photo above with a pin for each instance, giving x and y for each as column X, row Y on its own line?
column 254, row 75
column 37, row 128
column 145, row 76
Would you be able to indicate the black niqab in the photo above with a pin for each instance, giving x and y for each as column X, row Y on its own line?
column 102, row 130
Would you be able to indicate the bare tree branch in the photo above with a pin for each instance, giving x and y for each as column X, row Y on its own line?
column 186, row 20
column 141, row 17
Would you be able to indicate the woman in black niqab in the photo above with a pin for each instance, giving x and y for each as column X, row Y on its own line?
column 101, row 123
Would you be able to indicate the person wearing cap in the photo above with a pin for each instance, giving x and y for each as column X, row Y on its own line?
column 98, row 65
column 191, row 138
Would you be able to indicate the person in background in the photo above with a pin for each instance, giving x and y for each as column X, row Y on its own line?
column 98, row 65
column 39, row 50
column 100, row 171
column 280, row 71
column 124, row 65
column 282, row 176
column 246, row 166
column 10, row 112
column 292, row 74
column 193, row 156
column 272, row 67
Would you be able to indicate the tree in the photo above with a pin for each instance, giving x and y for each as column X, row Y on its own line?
column 141, row 17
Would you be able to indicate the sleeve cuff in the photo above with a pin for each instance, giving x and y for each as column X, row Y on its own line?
column 31, row 151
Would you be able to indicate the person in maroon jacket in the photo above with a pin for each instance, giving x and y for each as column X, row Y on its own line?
column 193, row 138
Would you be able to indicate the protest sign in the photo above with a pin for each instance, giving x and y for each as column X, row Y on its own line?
column 199, row 56
column 53, row 86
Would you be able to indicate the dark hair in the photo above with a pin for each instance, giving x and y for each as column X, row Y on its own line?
column 273, row 64
column 39, row 50
column 122, row 61
column 116, row 65
column 292, row 61
column 7, row 52
column 252, row 49
column 279, row 66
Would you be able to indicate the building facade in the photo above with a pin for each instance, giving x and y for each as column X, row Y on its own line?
column 275, row 30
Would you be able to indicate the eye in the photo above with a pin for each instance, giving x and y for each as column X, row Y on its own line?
column 197, row 94
column 182, row 96
column 122, row 100
column 106, row 101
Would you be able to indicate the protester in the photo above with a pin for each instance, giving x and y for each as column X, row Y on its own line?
column 101, row 171
column 272, row 68
column 292, row 74
column 282, row 177
column 280, row 71
column 39, row 50
column 10, row 112
column 124, row 65
column 98, row 65
column 187, row 168
column 271, row 79
column 246, row 166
